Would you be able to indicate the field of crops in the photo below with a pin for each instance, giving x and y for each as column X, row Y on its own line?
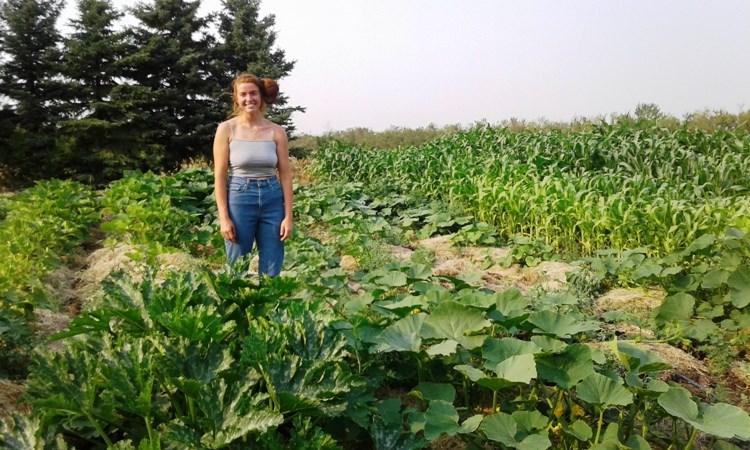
column 355, row 347
column 613, row 186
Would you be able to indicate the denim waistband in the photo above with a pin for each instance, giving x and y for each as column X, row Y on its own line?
column 260, row 182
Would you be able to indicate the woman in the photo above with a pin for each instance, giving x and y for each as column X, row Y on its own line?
column 255, row 205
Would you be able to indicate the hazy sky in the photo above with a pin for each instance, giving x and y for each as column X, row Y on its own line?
column 409, row 63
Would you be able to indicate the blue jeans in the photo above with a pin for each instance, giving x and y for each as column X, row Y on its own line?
column 256, row 208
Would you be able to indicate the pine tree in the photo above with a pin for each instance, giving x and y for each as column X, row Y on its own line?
column 247, row 45
column 168, row 94
column 30, row 86
column 91, row 57
column 98, row 128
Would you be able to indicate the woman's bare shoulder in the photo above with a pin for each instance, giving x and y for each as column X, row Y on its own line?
column 278, row 130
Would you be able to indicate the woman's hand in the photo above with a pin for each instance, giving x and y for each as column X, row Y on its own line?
column 227, row 231
column 286, row 229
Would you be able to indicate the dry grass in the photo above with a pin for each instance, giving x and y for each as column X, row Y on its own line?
column 10, row 394
column 637, row 302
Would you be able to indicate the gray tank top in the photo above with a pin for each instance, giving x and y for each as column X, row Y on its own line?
column 252, row 159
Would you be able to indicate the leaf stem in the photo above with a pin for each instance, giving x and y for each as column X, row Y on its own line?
column 466, row 394
column 692, row 439
column 191, row 409
column 99, row 429
column 599, row 424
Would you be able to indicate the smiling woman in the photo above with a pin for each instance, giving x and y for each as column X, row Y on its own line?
column 254, row 204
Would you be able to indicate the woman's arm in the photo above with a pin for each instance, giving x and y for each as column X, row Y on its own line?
column 221, row 166
column 285, row 176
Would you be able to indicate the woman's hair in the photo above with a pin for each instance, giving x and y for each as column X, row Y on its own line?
column 269, row 91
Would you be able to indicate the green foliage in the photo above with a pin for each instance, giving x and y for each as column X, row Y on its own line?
column 43, row 226
column 108, row 98
column 721, row 420
column 29, row 74
column 608, row 186
column 214, row 359
column 173, row 211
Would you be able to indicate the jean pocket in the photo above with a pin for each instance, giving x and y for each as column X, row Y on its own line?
column 237, row 185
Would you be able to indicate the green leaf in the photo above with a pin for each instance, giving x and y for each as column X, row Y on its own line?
column 495, row 351
column 722, row 420
column 647, row 269
column 510, row 303
column 517, row 369
column 675, row 308
column 402, row 335
column 636, row 442
column 714, row 278
column 472, row 373
column 436, row 391
column 739, row 281
column 451, row 320
column 471, row 424
column 637, row 360
column 517, row 430
column 560, row 325
column 392, row 279
column 579, row 429
column 567, row 368
column 441, row 418
column 609, row 440
column 445, row 348
column 407, row 303
column 600, row 390
column 702, row 243
column 548, row 344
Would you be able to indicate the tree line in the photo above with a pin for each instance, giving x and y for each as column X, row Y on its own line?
column 138, row 88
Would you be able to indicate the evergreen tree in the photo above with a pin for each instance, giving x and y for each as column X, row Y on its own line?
column 97, row 130
column 247, row 45
column 91, row 57
column 169, row 98
column 30, row 86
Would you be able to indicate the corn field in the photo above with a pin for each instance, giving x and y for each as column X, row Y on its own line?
column 621, row 186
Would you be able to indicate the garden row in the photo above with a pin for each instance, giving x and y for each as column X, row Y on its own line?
column 388, row 356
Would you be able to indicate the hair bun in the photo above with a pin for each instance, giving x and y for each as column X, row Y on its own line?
column 270, row 90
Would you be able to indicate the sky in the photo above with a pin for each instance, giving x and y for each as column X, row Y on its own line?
column 411, row 63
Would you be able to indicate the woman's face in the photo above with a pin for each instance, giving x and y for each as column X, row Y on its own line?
column 248, row 97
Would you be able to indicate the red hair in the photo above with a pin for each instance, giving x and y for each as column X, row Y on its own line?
column 269, row 91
